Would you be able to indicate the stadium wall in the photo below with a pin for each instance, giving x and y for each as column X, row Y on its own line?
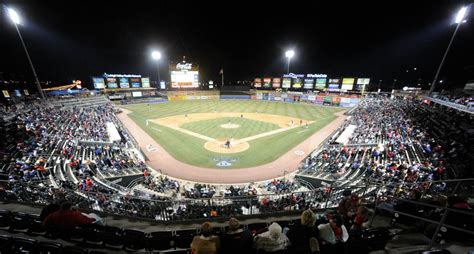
column 346, row 101
column 193, row 95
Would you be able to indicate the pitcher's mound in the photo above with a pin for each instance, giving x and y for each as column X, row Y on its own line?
column 229, row 126
column 219, row 146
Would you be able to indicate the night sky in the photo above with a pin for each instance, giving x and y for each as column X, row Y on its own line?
column 378, row 39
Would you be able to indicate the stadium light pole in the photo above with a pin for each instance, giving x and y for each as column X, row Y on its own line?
column 15, row 18
column 156, row 55
column 289, row 54
column 459, row 20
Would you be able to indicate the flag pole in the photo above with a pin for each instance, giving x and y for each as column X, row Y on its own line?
column 222, row 76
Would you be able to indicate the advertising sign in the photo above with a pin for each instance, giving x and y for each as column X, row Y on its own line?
column 257, row 83
column 6, row 94
column 25, row 91
column 163, row 85
column 145, row 82
column 297, row 83
column 184, row 75
column 135, row 82
column 124, row 83
column 347, row 83
column 17, row 93
column 267, row 82
column 137, row 94
column 112, row 83
column 276, row 82
column 333, row 87
column 286, row 83
column 320, row 83
column 99, row 82
column 308, row 83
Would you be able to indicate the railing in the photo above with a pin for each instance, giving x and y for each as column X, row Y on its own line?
column 464, row 108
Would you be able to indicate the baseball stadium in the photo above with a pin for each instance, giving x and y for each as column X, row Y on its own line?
column 295, row 161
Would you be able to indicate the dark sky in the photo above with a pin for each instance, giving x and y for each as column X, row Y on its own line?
column 377, row 39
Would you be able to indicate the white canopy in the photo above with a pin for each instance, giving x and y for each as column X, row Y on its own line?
column 344, row 137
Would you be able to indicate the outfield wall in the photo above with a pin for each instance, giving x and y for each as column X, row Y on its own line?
column 345, row 101
column 193, row 95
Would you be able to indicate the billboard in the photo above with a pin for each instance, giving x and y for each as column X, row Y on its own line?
column 297, row 83
column 137, row 94
column 98, row 82
column 145, row 82
column 320, row 83
column 361, row 82
column 184, row 75
column 333, row 87
column 124, row 83
column 135, row 82
column 112, row 83
column 267, row 82
column 276, row 82
column 286, row 83
column 347, row 83
column 308, row 83
column 257, row 83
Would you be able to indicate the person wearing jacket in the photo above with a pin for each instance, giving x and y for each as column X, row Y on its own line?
column 272, row 240
column 206, row 243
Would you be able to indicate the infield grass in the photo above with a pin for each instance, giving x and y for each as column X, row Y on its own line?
column 263, row 150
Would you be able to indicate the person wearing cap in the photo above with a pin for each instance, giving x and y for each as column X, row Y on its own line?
column 304, row 236
column 237, row 239
column 206, row 243
column 272, row 240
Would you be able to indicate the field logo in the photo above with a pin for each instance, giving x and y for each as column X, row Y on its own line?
column 223, row 161
column 224, row 164
column 299, row 152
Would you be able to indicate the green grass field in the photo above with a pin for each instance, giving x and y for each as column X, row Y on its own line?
column 211, row 128
column 191, row 150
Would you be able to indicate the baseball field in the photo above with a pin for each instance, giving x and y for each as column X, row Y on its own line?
column 229, row 133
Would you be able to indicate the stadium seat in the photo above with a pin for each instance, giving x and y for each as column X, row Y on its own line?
column 160, row 240
column 24, row 245
column 134, row 240
column 112, row 237
column 5, row 243
column 184, row 238
column 49, row 248
column 92, row 235
column 36, row 226
column 74, row 250
column 20, row 222
column 5, row 217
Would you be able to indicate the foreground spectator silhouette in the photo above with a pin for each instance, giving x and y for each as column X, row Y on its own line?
column 304, row 236
column 66, row 217
column 273, row 240
column 206, row 243
column 237, row 239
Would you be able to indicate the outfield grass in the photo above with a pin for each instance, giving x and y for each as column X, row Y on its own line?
column 191, row 150
column 212, row 127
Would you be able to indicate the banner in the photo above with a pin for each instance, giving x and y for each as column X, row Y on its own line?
column 257, row 83
column 267, row 83
column 308, row 83
column 286, row 83
column 276, row 83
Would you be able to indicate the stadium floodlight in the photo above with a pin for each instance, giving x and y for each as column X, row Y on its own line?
column 15, row 18
column 459, row 20
column 156, row 55
column 289, row 54
column 460, row 15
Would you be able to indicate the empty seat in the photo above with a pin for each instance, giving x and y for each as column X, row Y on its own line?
column 20, row 222
column 49, row 248
column 134, row 239
column 160, row 240
column 5, row 217
column 184, row 238
column 112, row 237
column 5, row 243
column 74, row 250
column 23, row 245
